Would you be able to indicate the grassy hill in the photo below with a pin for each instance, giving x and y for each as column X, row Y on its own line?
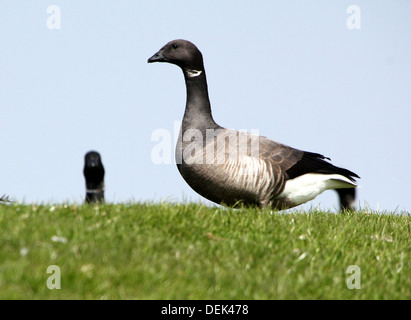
column 190, row 251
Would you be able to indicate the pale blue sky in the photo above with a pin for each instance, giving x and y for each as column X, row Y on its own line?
column 291, row 69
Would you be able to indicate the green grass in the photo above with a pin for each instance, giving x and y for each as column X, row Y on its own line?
column 189, row 251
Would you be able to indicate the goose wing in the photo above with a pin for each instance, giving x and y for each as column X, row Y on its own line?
column 295, row 163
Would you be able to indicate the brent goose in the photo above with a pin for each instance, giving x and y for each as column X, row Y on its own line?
column 347, row 199
column 94, row 175
column 235, row 167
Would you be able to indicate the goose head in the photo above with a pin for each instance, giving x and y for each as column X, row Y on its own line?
column 93, row 169
column 182, row 53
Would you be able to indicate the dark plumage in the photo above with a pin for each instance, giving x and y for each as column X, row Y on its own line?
column 347, row 199
column 5, row 199
column 94, row 175
column 262, row 172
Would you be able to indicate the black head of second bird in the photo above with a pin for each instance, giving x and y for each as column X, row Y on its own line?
column 94, row 175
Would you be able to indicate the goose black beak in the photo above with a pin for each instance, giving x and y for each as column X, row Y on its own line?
column 157, row 57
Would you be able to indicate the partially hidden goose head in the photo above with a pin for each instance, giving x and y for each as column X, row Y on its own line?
column 248, row 169
column 182, row 53
column 347, row 199
column 94, row 175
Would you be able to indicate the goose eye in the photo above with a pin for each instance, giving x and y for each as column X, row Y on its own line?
column 174, row 46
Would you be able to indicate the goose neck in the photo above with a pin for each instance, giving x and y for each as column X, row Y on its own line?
column 198, row 108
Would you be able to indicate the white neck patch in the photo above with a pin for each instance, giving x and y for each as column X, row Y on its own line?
column 193, row 73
